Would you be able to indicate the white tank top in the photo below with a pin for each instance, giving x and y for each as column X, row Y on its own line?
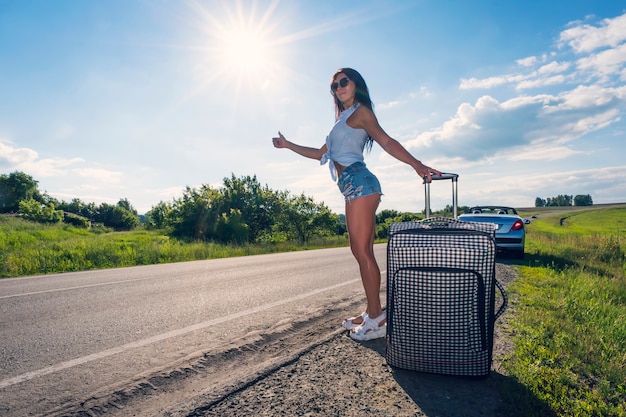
column 345, row 144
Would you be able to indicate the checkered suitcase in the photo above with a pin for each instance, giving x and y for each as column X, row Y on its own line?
column 441, row 295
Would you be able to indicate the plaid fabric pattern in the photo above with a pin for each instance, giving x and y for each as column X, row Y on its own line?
column 440, row 296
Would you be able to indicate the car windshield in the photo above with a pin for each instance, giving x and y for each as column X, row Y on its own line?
column 492, row 210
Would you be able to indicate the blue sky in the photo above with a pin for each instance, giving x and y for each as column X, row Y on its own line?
column 137, row 99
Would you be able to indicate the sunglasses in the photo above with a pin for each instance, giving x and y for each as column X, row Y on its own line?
column 342, row 83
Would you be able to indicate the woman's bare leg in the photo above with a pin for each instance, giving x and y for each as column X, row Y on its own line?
column 361, row 225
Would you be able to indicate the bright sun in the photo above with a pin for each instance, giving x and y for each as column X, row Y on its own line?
column 245, row 53
column 241, row 46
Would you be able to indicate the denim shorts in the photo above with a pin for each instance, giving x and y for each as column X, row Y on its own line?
column 357, row 181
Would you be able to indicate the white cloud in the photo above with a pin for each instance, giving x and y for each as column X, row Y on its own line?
column 527, row 62
column 11, row 156
column 554, row 67
column 485, row 83
column 28, row 160
column 541, row 82
column 88, row 182
column 389, row 105
column 584, row 179
column 490, row 128
column 102, row 176
column 520, row 190
column 593, row 96
column 541, row 153
column 601, row 52
column 604, row 64
column 587, row 38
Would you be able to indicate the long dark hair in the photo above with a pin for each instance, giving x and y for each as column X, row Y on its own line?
column 361, row 95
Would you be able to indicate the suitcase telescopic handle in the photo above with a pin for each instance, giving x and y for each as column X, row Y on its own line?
column 444, row 176
column 455, row 197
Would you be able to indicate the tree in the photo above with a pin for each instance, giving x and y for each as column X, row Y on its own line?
column 76, row 206
column 341, row 225
column 118, row 217
column 76, row 220
column 244, row 211
column 382, row 228
column 383, row 215
column 558, row 201
column 35, row 211
column 125, row 204
column 230, row 228
column 301, row 219
column 255, row 203
column 16, row 187
column 195, row 214
column 540, row 202
column 448, row 211
column 237, row 212
column 565, row 200
column 583, row 200
column 159, row 216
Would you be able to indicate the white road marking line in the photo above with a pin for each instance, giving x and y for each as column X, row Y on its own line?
column 74, row 288
column 174, row 333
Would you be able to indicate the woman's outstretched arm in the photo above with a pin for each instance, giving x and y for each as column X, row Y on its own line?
column 365, row 119
column 308, row 152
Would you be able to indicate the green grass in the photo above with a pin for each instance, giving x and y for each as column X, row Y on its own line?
column 569, row 316
column 28, row 248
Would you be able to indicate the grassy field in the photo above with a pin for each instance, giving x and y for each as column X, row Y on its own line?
column 28, row 248
column 568, row 306
column 569, row 314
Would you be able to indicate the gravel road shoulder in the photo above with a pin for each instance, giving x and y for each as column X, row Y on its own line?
column 341, row 377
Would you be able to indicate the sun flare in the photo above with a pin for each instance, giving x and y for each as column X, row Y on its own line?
column 245, row 53
column 242, row 47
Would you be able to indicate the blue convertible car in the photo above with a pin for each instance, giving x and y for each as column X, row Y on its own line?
column 510, row 235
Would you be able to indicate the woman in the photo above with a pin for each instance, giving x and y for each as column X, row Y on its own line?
column 355, row 129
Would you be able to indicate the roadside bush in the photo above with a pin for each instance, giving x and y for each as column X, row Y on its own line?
column 34, row 211
column 76, row 220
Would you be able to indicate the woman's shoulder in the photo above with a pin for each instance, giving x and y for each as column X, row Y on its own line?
column 363, row 113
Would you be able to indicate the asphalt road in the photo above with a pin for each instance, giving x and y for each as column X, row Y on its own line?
column 98, row 337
